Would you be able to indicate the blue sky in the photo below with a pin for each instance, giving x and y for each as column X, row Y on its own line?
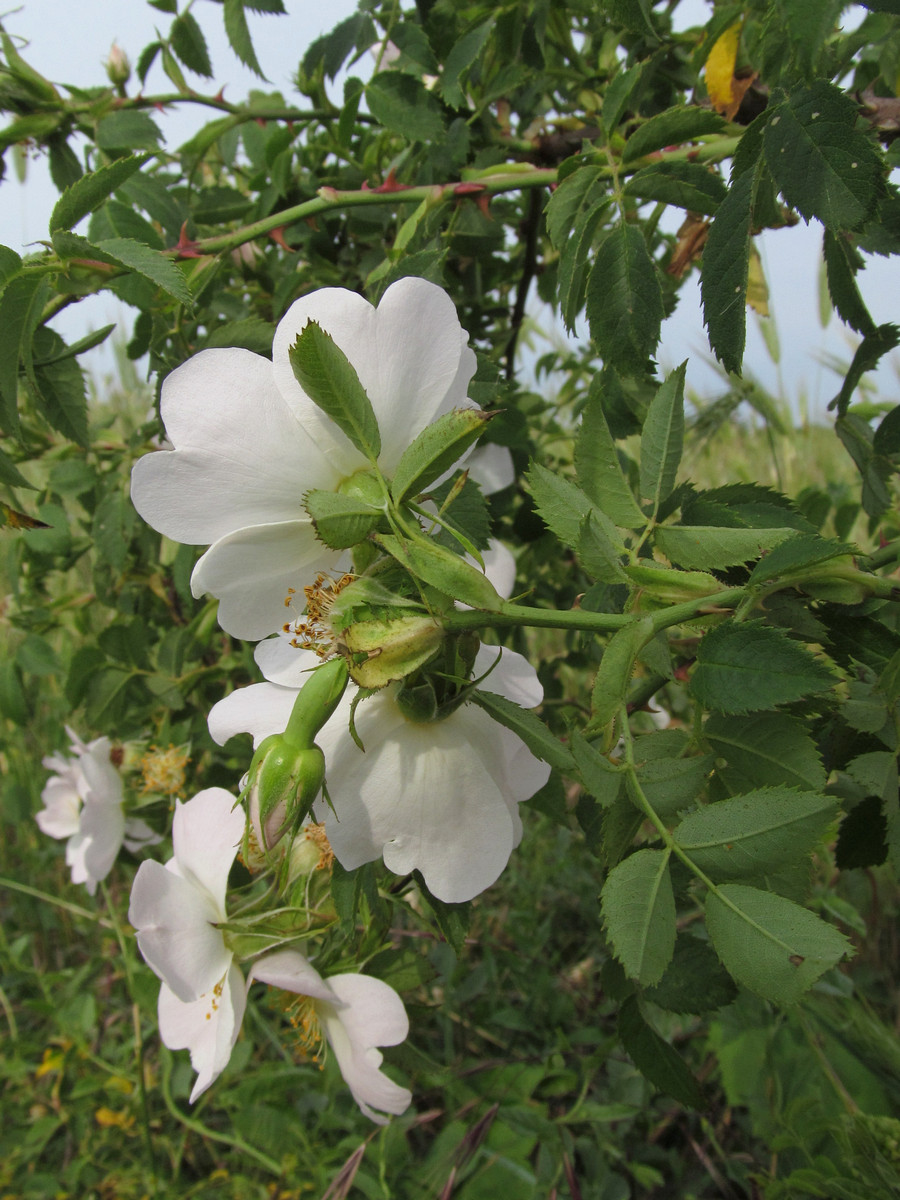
column 68, row 42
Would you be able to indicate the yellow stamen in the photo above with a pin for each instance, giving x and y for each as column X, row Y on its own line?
column 309, row 1041
column 312, row 632
column 163, row 770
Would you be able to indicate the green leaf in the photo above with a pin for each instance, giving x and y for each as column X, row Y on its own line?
column 189, row 44
column 599, row 548
column 765, row 749
column 694, row 981
column 239, row 35
column 662, row 440
column 687, row 185
column 751, row 666
column 152, row 265
column 402, row 104
column 655, row 1058
column 618, row 93
column 10, row 265
column 842, row 262
column 10, row 474
column 797, row 554
column 624, row 300
column 597, row 464
column 214, row 204
column 772, row 946
column 340, row 521
column 251, row 333
column 444, row 570
column 435, row 450
column 111, row 529
column 563, row 507
column 329, row 379
column 467, row 511
column 21, row 305
column 61, row 388
column 671, row 128
column 748, row 836
column 723, row 281
column 115, row 219
column 89, row 192
column 871, row 349
column 526, row 725
column 614, row 674
column 875, row 469
column 460, row 58
column 670, row 784
column 639, row 914
column 128, row 129
column 698, row 547
column 577, row 194
column 573, row 214
column 823, row 166
column 598, row 775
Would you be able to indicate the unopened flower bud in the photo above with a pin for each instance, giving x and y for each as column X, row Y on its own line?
column 118, row 68
column 284, row 782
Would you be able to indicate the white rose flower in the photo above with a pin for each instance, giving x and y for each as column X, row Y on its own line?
column 441, row 797
column 249, row 443
column 83, row 804
column 354, row 1014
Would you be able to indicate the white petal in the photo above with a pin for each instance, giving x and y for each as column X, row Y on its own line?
column 138, row 834
column 176, row 931
column 373, row 1016
column 240, row 459
column 513, row 676
column 409, row 353
column 103, row 780
column 252, row 570
column 491, row 467
column 500, row 568
column 102, row 827
column 284, row 664
column 420, row 795
column 292, row 972
column 260, row 709
column 206, row 834
column 208, row 1027
column 62, row 804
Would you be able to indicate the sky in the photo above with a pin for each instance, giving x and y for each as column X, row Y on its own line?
column 68, row 41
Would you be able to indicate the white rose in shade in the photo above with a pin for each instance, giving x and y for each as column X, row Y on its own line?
column 176, row 909
column 440, row 797
column 355, row 1014
column 83, row 803
column 249, row 443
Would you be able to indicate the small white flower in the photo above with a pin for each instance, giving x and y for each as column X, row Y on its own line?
column 440, row 797
column 176, row 910
column 249, row 443
column 355, row 1014
column 83, row 803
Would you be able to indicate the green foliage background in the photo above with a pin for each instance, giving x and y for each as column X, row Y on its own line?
column 575, row 1030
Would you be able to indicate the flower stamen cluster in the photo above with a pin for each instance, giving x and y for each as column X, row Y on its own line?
column 313, row 631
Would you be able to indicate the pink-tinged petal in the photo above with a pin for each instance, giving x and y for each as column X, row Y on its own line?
column 260, row 709
column 176, row 931
column 373, row 1015
column 240, row 458
column 102, row 827
column 420, row 796
column 409, row 353
column 513, row 676
column 491, row 467
column 283, row 663
column 208, row 1026
column 206, row 834
column 253, row 570
column 292, row 972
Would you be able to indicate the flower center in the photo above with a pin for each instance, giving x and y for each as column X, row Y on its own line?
column 309, row 1040
column 163, row 770
column 312, row 631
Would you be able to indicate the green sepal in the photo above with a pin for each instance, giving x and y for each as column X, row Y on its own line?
column 330, row 380
column 340, row 521
column 443, row 570
column 436, row 449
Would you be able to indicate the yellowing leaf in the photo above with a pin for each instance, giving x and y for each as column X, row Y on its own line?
column 757, row 288
column 719, row 70
column 107, row 1118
